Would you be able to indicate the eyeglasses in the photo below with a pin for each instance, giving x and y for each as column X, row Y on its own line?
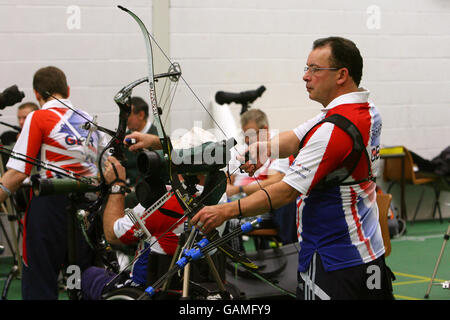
column 313, row 69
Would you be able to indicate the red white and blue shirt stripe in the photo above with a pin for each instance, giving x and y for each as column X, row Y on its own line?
column 56, row 135
column 339, row 223
column 164, row 230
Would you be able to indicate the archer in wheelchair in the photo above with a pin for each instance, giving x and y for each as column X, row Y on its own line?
column 158, row 225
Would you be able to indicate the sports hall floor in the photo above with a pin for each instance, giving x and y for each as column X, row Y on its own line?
column 412, row 260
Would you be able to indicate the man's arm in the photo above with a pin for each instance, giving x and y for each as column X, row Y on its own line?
column 281, row 146
column 211, row 217
column 251, row 188
column 115, row 206
column 12, row 180
column 114, row 210
column 284, row 145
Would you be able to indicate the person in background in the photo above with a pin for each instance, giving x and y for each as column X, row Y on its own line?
column 255, row 126
column 10, row 137
column 55, row 133
column 24, row 110
column 137, row 121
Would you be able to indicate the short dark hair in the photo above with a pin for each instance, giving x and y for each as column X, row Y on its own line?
column 344, row 54
column 33, row 106
column 139, row 105
column 50, row 79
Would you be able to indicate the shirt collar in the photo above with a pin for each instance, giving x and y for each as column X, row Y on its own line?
column 146, row 127
column 57, row 104
column 360, row 96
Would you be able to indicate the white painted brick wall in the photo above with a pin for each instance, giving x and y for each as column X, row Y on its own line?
column 99, row 58
column 236, row 45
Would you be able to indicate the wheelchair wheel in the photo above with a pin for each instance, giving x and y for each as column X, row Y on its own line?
column 124, row 294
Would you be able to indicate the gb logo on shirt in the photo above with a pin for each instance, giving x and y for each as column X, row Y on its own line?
column 72, row 140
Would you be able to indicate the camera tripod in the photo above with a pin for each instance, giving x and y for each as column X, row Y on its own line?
column 12, row 214
column 446, row 237
column 16, row 269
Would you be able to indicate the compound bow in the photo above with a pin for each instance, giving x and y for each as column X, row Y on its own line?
column 187, row 200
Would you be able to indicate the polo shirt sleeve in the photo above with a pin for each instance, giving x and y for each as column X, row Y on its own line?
column 303, row 129
column 124, row 228
column 29, row 142
column 280, row 165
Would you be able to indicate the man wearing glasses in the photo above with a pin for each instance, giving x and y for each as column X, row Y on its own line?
column 341, row 248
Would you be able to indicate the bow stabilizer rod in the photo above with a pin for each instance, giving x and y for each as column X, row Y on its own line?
column 199, row 250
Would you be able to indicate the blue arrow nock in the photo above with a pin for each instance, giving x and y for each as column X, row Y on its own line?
column 150, row 291
column 249, row 226
column 130, row 141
